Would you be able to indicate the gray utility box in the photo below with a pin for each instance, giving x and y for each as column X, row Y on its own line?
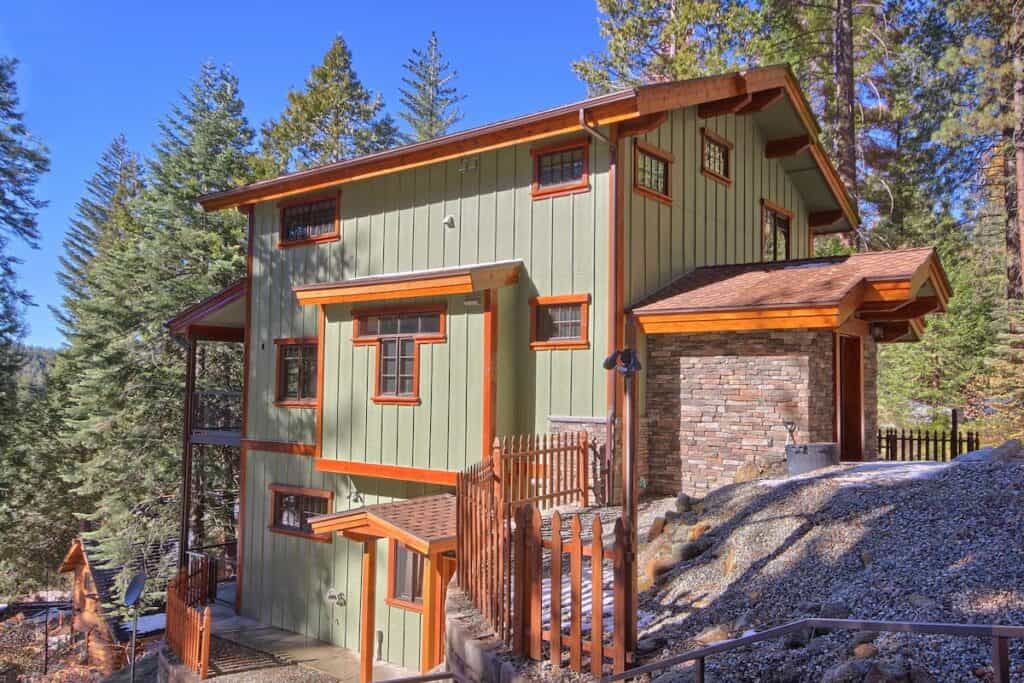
column 806, row 457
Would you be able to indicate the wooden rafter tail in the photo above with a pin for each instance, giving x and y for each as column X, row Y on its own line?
column 786, row 147
column 761, row 100
column 729, row 105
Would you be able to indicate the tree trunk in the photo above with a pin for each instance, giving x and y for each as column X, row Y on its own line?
column 1011, row 171
column 842, row 57
column 1015, row 286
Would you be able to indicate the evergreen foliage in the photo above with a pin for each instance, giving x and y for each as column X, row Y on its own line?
column 429, row 98
column 332, row 119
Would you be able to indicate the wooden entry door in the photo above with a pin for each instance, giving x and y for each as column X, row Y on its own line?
column 851, row 399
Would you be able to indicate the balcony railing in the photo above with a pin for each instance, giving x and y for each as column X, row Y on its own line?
column 216, row 416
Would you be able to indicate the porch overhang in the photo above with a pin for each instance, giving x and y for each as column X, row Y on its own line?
column 884, row 294
column 425, row 525
column 412, row 284
column 219, row 317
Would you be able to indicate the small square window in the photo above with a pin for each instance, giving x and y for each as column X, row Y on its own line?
column 651, row 171
column 310, row 221
column 405, row 588
column 560, row 169
column 560, row 322
column 293, row 507
column 715, row 158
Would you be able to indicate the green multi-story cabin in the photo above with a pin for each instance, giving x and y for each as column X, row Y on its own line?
column 403, row 309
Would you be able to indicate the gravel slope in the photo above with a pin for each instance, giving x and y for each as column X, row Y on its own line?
column 938, row 543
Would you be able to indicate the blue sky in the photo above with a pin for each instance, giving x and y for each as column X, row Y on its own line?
column 90, row 70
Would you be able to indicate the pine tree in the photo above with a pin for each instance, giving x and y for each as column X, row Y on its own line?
column 23, row 160
column 430, row 99
column 333, row 118
column 160, row 254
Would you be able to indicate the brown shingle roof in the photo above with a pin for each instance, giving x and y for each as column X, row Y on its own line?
column 424, row 522
column 806, row 282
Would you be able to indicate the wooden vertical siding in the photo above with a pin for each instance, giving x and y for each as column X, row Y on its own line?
column 394, row 224
column 286, row 578
column 707, row 222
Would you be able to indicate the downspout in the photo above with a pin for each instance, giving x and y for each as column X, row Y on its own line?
column 613, row 292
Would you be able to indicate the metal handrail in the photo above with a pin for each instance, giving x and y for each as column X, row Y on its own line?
column 439, row 676
column 999, row 634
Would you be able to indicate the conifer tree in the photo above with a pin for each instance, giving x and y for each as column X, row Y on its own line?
column 334, row 117
column 23, row 160
column 163, row 254
column 430, row 98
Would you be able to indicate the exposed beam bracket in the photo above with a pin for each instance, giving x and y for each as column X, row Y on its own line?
column 729, row 105
column 823, row 219
column 762, row 100
column 786, row 147
column 644, row 124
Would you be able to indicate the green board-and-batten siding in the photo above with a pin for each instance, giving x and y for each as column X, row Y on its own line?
column 286, row 579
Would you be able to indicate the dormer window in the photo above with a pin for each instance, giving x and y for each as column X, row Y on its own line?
column 310, row 221
column 561, row 169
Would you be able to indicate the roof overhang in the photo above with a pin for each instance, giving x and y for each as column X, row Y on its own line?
column 74, row 558
column 412, row 284
column 891, row 308
column 220, row 317
column 758, row 91
column 401, row 520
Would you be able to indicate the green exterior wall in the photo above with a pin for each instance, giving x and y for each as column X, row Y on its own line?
column 286, row 579
column 393, row 224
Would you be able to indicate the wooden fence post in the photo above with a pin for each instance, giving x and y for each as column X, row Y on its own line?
column 556, row 591
column 520, row 613
column 535, row 571
column 620, row 568
column 584, row 469
column 597, row 599
column 575, row 595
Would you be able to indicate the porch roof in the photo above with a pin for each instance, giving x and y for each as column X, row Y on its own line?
column 412, row 284
column 425, row 524
column 892, row 289
column 218, row 317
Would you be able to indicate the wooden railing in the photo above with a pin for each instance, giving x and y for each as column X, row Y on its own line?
column 217, row 410
column 500, row 558
column 908, row 444
column 529, row 612
column 999, row 634
column 188, row 628
column 200, row 587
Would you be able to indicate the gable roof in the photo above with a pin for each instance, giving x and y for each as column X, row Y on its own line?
column 876, row 286
column 626, row 107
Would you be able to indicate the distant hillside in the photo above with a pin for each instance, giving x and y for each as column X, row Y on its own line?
column 37, row 360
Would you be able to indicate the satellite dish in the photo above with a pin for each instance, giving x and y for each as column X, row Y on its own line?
column 134, row 592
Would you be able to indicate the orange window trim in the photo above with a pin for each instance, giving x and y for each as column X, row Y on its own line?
column 583, row 342
column 285, row 489
column 705, row 136
column 280, row 344
column 767, row 206
column 391, row 599
column 650, row 150
column 332, row 236
column 583, row 185
column 359, row 339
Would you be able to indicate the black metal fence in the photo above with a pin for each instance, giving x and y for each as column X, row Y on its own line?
column 927, row 444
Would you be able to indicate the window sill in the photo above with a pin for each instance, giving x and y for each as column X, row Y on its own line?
column 300, row 534
column 560, row 190
column 569, row 345
column 396, row 400
column 716, row 177
column 290, row 403
column 402, row 604
column 329, row 237
column 651, row 194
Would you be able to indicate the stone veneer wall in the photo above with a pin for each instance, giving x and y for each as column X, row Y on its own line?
column 716, row 402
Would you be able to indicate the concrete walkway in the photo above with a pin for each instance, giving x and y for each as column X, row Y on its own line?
column 287, row 648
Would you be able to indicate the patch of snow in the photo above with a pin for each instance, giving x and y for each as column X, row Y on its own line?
column 150, row 623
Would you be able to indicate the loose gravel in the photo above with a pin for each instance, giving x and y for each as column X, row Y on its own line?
column 914, row 542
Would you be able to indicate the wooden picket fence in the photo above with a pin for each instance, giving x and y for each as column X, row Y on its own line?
column 201, row 586
column 524, row 475
column 529, row 548
column 187, row 631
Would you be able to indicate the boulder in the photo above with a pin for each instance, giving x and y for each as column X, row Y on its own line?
column 847, row 672
column 865, row 651
column 888, row 672
column 698, row 530
column 648, row 646
column 690, row 550
column 683, row 503
column 748, row 471
column 834, row 610
column 798, row 639
column 714, row 634
column 657, row 526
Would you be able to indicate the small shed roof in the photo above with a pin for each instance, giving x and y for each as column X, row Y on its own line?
column 218, row 317
column 887, row 287
column 425, row 524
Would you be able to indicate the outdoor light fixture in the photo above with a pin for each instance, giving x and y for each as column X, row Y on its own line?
column 449, row 222
column 877, row 331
